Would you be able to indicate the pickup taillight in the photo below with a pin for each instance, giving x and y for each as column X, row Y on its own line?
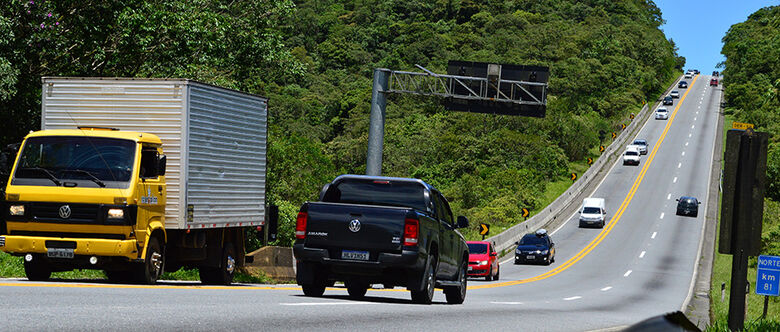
column 300, row 225
column 411, row 231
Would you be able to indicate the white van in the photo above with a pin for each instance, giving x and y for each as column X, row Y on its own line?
column 593, row 212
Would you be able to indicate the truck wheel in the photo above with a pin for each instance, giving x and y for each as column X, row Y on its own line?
column 313, row 290
column 37, row 269
column 425, row 296
column 456, row 294
column 356, row 289
column 152, row 267
column 222, row 275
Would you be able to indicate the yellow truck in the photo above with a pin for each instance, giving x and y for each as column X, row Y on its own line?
column 137, row 177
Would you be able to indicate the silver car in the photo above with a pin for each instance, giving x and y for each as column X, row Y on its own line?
column 675, row 94
column 641, row 145
column 661, row 114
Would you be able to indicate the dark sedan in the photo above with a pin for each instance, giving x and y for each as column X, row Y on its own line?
column 682, row 85
column 535, row 247
column 668, row 100
column 688, row 206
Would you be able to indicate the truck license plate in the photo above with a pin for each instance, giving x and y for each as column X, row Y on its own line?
column 355, row 255
column 59, row 253
column 529, row 257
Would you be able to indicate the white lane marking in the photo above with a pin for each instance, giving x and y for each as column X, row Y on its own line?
column 693, row 126
column 675, row 180
column 679, row 165
column 627, row 273
column 606, row 288
column 689, row 135
column 669, row 196
column 320, row 303
column 572, row 298
column 498, row 302
column 694, row 118
column 509, row 259
column 654, row 234
column 697, row 112
column 642, row 254
column 662, row 215
column 686, row 143
column 683, row 153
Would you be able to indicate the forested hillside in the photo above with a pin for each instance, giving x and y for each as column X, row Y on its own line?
column 752, row 91
column 314, row 59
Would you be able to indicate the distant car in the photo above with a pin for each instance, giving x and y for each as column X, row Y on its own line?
column 716, row 73
column 714, row 82
column 535, row 247
column 696, row 71
column 631, row 156
column 482, row 260
column 661, row 114
column 689, row 75
column 682, row 85
column 688, row 206
column 668, row 100
column 641, row 144
column 675, row 94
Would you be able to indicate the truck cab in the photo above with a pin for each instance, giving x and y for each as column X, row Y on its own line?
column 88, row 198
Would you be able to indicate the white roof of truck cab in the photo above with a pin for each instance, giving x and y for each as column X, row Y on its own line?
column 593, row 201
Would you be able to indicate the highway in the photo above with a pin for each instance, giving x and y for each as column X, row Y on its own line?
column 640, row 265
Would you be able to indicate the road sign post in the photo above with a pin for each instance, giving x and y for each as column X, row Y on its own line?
column 744, row 179
column 484, row 229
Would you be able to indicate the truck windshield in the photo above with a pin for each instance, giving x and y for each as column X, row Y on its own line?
column 370, row 192
column 75, row 161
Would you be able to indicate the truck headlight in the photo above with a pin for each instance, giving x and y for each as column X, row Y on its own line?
column 116, row 213
column 16, row 210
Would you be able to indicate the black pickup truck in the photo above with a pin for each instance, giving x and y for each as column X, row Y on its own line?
column 381, row 230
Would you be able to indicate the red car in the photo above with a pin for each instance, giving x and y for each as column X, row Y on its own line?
column 483, row 260
column 714, row 82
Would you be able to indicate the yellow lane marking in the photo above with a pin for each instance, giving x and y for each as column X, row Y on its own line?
column 615, row 218
column 581, row 254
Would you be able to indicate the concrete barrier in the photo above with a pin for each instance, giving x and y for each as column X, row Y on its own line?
column 275, row 262
column 557, row 212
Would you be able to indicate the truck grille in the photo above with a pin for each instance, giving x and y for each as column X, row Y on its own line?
column 79, row 213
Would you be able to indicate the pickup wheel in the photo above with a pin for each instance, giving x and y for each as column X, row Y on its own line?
column 356, row 289
column 37, row 269
column 313, row 290
column 456, row 294
column 425, row 296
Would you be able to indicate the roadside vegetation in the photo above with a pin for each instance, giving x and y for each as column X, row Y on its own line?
column 751, row 82
column 314, row 59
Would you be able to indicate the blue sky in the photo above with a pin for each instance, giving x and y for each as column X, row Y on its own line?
column 698, row 26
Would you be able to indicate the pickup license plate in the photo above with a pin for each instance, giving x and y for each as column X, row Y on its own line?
column 354, row 255
column 59, row 253
column 530, row 257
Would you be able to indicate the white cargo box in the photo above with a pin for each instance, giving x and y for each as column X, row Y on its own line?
column 214, row 139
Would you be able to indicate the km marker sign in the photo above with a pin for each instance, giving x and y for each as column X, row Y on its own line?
column 768, row 278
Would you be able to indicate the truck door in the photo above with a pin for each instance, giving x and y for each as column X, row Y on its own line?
column 150, row 192
column 447, row 236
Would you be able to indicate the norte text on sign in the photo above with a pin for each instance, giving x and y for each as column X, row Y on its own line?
column 768, row 276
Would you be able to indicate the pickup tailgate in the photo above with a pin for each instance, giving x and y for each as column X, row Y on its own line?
column 334, row 226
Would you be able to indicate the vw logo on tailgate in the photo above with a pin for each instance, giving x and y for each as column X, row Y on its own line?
column 354, row 225
column 65, row 211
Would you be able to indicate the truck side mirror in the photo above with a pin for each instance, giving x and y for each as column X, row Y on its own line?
column 463, row 222
column 162, row 161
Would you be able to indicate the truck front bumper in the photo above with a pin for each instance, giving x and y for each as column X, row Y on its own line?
column 20, row 245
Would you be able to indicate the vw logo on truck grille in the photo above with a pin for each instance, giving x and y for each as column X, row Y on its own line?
column 354, row 225
column 65, row 211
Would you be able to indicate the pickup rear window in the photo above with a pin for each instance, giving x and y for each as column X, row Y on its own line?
column 377, row 192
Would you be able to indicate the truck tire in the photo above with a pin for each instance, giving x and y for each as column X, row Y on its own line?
column 313, row 290
column 425, row 296
column 37, row 269
column 356, row 289
column 457, row 294
column 222, row 275
column 154, row 264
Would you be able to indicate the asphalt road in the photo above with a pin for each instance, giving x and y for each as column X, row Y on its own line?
column 640, row 265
